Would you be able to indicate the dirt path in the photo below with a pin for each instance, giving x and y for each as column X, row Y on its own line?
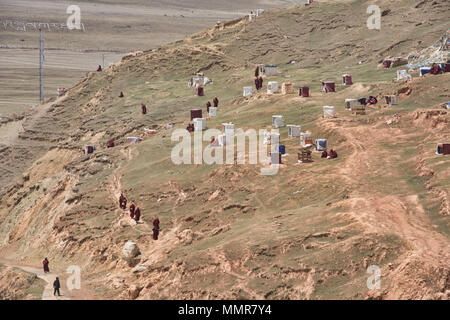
column 17, row 153
column 85, row 292
column 403, row 215
column 47, row 294
column 9, row 132
column 115, row 189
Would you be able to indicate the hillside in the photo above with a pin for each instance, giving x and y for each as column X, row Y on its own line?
column 228, row 232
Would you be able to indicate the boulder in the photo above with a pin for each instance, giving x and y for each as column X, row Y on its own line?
column 131, row 253
column 185, row 236
column 133, row 292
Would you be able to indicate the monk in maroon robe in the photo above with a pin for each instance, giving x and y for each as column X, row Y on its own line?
column 257, row 72
column 216, row 102
column 155, row 229
column 260, row 82
column 111, row 144
column 332, row 154
column 155, row 233
column 137, row 214
column 121, row 200
column 132, row 210
column 121, row 94
column 99, row 68
column 45, row 264
column 208, row 105
column 324, row 154
column 257, row 83
column 144, row 109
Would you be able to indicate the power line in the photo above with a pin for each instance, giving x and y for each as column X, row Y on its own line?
column 41, row 63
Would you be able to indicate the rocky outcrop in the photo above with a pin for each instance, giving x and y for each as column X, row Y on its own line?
column 131, row 253
column 133, row 292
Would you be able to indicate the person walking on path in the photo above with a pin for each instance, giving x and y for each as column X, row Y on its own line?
column 56, row 287
column 45, row 264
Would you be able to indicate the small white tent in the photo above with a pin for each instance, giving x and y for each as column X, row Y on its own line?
column 328, row 111
column 199, row 124
column 350, row 104
column 272, row 87
column 269, row 70
column 248, row 91
column 294, row 131
column 321, row 144
column 277, row 121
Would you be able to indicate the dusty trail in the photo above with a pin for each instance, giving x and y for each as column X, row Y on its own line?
column 47, row 294
column 16, row 155
column 10, row 131
column 403, row 215
column 115, row 189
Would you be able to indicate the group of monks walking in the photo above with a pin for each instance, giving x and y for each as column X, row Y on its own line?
column 215, row 102
column 135, row 214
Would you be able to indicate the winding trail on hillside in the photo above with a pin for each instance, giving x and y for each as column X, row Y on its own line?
column 47, row 293
column 11, row 130
column 402, row 215
column 11, row 142
column 115, row 189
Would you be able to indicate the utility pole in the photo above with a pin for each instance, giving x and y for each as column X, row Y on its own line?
column 41, row 63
